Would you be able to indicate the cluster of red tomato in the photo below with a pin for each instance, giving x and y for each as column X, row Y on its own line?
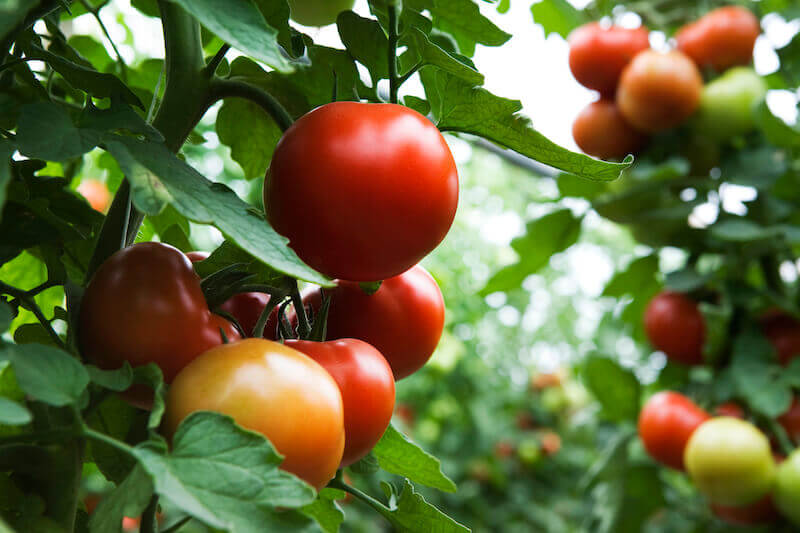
column 363, row 192
column 643, row 91
column 729, row 459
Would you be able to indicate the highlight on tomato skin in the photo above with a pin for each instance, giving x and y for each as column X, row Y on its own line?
column 666, row 423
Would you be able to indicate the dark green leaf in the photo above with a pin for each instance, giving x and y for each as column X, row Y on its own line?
column 325, row 511
column 6, row 149
column 615, row 387
column 46, row 132
column 461, row 17
column 129, row 498
column 250, row 133
column 116, row 380
column 365, row 40
column 398, row 455
column 422, row 51
column 48, row 374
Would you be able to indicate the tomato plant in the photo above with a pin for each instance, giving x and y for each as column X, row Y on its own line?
column 783, row 332
column 666, row 423
column 600, row 130
column 317, row 12
column 675, row 326
column 720, row 39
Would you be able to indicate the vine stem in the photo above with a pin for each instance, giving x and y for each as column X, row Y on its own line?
column 233, row 88
column 148, row 523
column 380, row 508
column 27, row 301
column 303, row 326
column 394, row 80
column 95, row 11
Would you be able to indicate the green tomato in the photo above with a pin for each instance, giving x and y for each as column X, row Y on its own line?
column 317, row 12
column 730, row 461
column 727, row 103
column 786, row 494
column 529, row 451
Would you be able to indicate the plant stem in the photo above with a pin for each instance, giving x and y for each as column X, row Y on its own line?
column 233, row 88
column 258, row 330
column 394, row 81
column 177, row 525
column 303, row 327
column 96, row 13
column 105, row 439
column 384, row 511
column 149, row 524
column 27, row 301
column 212, row 66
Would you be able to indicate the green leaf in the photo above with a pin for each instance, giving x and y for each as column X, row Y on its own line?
column 717, row 321
column 242, row 25
column 556, row 16
column 396, row 454
column 410, row 512
column 12, row 12
column 544, row 237
column 119, row 420
column 461, row 17
column 150, row 376
column 757, row 377
column 365, row 40
column 231, row 481
column 116, row 380
column 422, row 51
column 326, row 511
column 6, row 150
column 686, row 280
column 6, row 316
column 48, row 374
column 615, row 387
column 13, row 413
column 205, row 202
column 129, row 498
column 741, row 230
column 251, row 146
column 639, row 280
column 46, row 131
column 460, row 107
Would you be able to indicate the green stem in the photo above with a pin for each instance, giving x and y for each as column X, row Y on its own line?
column 233, row 88
column 177, row 525
column 261, row 323
column 780, row 435
column 303, row 327
column 149, row 523
column 414, row 69
column 96, row 13
column 89, row 433
column 394, row 80
column 384, row 511
column 770, row 268
column 212, row 66
column 27, row 301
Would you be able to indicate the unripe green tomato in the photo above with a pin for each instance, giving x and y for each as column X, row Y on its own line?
column 554, row 399
column 317, row 12
column 529, row 451
column 727, row 103
column 786, row 494
column 730, row 461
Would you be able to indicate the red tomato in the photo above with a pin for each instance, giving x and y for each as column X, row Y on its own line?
column 600, row 130
column 761, row 512
column 666, row 422
column 731, row 409
column 407, row 414
column 503, row 449
column 403, row 319
column 362, row 191
column 246, row 307
column 783, row 331
column 96, row 193
column 721, row 38
column 658, row 91
column 367, row 387
column 597, row 55
column 674, row 325
column 790, row 420
column 271, row 389
column 551, row 443
column 144, row 305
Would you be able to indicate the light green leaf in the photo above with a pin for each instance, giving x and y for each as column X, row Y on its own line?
column 398, row 455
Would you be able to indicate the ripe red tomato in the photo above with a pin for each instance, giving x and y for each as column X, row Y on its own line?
column 367, row 387
column 246, row 307
column 790, row 420
column 731, row 409
column 658, row 91
column 362, row 191
column 674, row 325
column 597, row 54
column 271, row 389
column 783, row 331
column 403, row 319
column 600, row 130
column 721, row 38
column 760, row 512
column 666, row 423
column 144, row 305
column 96, row 193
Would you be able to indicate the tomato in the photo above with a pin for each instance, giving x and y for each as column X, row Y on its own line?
column 759, row 512
column 721, row 38
column 362, row 191
column 403, row 319
column 790, row 420
column 658, row 91
column 601, row 131
column 783, row 331
column 407, row 414
column 317, row 12
column 367, row 386
column 730, row 461
column 529, row 451
column 786, row 493
column 246, row 307
column 96, row 193
column 666, row 423
column 597, row 54
column 731, row 409
column 551, row 443
column 674, row 325
column 144, row 305
column 271, row 389
column 728, row 103
column 503, row 449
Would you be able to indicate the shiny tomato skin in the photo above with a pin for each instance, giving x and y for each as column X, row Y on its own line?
column 783, row 331
column 790, row 420
column 362, row 191
column 403, row 319
column 720, row 39
column 96, row 193
column 271, row 389
column 367, row 386
column 659, row 91
column 666, row 423
column 144, row 305
column 601, row 131
column 598, row 54
column 674, row 325
column 317, row 12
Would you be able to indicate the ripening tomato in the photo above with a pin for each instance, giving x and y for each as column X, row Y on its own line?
column 317, row 12
column 786, row 494
column 403, row 319
column 362, row 191
column 551, row 443
column 144, row 305
column 271, row 389
column 666, row 423
column 601, row 131
column 728, row 104
column 720, row 39
column 730, row 461
column 658, row 91
column 367, row 387
column 503, row 449
column 96, row 193
column 760, row 512
column 598, row 54
column 731, row 409
column 783, row 331
column 674, row 325
column 790, row 420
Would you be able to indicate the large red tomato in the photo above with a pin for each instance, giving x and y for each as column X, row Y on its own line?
column 790, row 420
column 362, row 191
column 598, row 54
column 403, row 319
column 367, row 387
column 720, row 39
column 144, row 305
column 271, row 389
column 783, row 331
column 666, row 423
column 600, row 130
column 674, row 325
column 658, row 91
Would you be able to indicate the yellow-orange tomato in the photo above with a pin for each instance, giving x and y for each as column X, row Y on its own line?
column 271, row 389
column 658, row 91
column 96, row 193
column 600, row 130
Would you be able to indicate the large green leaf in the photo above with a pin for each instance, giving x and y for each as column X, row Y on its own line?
column 398, row 455
column 47, row 374
column 556, row 16
column 616, row 388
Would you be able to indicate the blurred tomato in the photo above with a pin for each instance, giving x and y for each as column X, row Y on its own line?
column 673, row 324
column 96, row 193
column 666, row 423
column 783, row 331
column 721, row 38
column 601, row 131
column 790, row 420
column 732, row 409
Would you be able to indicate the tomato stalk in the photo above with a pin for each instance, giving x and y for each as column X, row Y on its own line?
column 338, row 483
column 229, row 88
column 27, row 301
column 149, row 523
column 394, row 80
column 258, row 330
column 303, row 327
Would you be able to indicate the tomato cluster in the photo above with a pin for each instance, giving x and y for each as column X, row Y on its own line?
column 363, row 192
column 644, row 92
